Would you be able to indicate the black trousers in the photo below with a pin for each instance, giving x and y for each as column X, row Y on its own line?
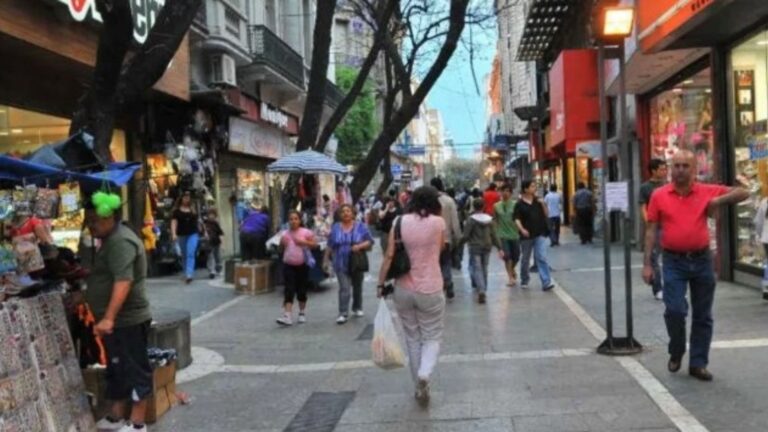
column 253, row 246
column 585, row 219
column 296, row 282
column 129, row 375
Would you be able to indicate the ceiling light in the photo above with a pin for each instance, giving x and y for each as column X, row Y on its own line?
column 688, row 82
column 707, row 90
column 17, row 131
column 762, row 42
column 677, row 90
column 4, row 133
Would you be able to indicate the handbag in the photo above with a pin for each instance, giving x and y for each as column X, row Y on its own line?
column 401, row 263
column 358, row 262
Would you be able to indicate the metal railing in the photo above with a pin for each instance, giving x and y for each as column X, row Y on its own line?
column 268, row 49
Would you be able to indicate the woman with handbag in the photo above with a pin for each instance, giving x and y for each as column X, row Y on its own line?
column 347, row 245
column 296, row 243
column 185, row 229
column 419, row 299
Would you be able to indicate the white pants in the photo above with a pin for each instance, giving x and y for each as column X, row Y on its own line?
column 422, row 319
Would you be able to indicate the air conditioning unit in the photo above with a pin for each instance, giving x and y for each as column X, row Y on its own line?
column 223, row 70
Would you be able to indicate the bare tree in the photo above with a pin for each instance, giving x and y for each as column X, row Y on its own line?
column 118, row 84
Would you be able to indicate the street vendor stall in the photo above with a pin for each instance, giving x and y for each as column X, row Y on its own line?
column 41, row 220
column 306, row 163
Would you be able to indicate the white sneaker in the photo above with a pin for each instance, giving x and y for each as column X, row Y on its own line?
column 524, row 286
column 342, row 319
column 105, row 425
column 659, row 295
column 302, row 318
column 358, row 313
column 130, row 428
column 285, row 320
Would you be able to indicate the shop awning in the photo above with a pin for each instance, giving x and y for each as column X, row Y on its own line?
column 544, row 22
column 23, row 172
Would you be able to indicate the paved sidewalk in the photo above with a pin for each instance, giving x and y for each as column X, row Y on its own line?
column 523, row 362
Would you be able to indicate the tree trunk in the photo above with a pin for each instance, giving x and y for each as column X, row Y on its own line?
column 96, row 111
column 386, row 165
column 367, row 170
column 313, row 108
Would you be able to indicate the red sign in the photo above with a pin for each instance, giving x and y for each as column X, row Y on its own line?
column 254, row 110
column 660, row 20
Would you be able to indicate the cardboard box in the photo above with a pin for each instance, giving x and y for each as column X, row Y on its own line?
column 253, row 278
column 163, row 391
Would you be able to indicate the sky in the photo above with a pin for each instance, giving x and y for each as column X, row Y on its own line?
column 455, row 95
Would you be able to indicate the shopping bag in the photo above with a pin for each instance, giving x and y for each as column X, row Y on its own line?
column 386, row 350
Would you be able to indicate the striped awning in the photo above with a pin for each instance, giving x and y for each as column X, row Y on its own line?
column 307, row 162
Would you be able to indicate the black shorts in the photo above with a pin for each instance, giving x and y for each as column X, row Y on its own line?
column 129, row 375
column 511, row 250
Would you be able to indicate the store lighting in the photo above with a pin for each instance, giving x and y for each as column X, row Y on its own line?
column 677, row 90
column 688, row 82
column 4, row 133
column 617, row 21
column 17, row 131
column 762, row 42
column 707, row 90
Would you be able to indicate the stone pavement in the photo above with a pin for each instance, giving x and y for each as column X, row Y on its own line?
column 523, row 362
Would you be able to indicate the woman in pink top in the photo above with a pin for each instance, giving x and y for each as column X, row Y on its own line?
column 419, row 297
column 295, row 241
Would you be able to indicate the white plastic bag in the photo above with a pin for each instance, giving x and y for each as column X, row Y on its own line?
column 386, row 349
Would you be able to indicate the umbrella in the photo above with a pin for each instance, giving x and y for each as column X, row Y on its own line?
column 307, row 162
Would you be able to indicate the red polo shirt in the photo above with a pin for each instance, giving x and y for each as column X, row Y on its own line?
column 683, row 219
column 490, row 197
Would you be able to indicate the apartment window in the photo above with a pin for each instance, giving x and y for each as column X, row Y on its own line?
column 232, row 21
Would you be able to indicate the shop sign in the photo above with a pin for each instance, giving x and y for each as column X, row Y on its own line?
column 273, row 116
column 254, row 139
column 661, row 21
column 758, row 149
column 144, row 13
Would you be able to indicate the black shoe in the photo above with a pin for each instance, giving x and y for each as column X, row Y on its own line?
column 549, row 287
column 481, row 298
column 534, row 269
column 189, row 281
column 700, row 373
column 765, row 295
column 674, row 364
column 212, row 276
column 450, row 294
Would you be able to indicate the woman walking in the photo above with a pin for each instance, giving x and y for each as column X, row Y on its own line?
column 419, row 297
column 185, row 229
column 296, row 242
column 348, row 237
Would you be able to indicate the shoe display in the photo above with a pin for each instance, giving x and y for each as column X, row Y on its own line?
column 284, row 320
column 342, row 319
column 302, row 318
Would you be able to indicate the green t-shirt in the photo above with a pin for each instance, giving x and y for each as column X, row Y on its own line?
column 506, row 228
column 120, row 258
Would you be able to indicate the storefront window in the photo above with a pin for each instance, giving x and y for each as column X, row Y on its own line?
column 749, row 123
column 681, row 118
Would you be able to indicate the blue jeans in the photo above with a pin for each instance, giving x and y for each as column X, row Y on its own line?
column 656, row 285
column 679, row 273
column 478, row 269
column 537, row 246
column 188, row 245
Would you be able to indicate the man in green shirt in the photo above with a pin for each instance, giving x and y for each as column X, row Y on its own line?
column 507, row 232
column 116, row 294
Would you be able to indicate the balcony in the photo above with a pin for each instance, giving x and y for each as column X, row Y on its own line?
column 333, row 94
column 272, row 60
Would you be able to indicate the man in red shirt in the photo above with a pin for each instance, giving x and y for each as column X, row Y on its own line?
column 491, row 197
column 680, row 210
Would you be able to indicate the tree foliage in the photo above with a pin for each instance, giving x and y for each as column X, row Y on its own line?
column 461, row 173
column 359, row 127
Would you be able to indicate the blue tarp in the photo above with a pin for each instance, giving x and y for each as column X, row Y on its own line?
column 21, row 171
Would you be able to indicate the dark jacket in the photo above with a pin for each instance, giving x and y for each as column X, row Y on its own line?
column 480, row 233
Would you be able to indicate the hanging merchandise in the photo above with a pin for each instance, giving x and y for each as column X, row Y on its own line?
column 27, row 252
column 46, row 203
column 6, row 204
column 69, row 197
column 7, row 258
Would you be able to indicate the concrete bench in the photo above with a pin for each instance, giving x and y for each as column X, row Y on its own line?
column 171, row 328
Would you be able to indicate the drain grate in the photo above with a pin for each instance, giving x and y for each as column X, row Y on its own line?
column 367, row 333
column 321, row 412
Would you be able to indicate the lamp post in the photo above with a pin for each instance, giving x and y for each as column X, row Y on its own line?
column 614, row 25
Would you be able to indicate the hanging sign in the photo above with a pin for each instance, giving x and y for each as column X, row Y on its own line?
column 273, row 116
column 144, row 14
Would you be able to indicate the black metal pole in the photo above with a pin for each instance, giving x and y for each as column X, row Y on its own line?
column 629, row 176
column 608, row 343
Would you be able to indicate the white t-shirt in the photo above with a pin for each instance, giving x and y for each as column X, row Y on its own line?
column 553, row 201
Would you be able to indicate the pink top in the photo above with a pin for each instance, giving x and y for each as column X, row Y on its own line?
column 421, row 240
column 294, row 254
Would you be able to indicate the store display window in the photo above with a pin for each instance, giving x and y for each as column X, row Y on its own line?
column 681, row 118
column 251, row 186
column 749, row 125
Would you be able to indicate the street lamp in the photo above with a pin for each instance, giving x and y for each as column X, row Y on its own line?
column 614, row 24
